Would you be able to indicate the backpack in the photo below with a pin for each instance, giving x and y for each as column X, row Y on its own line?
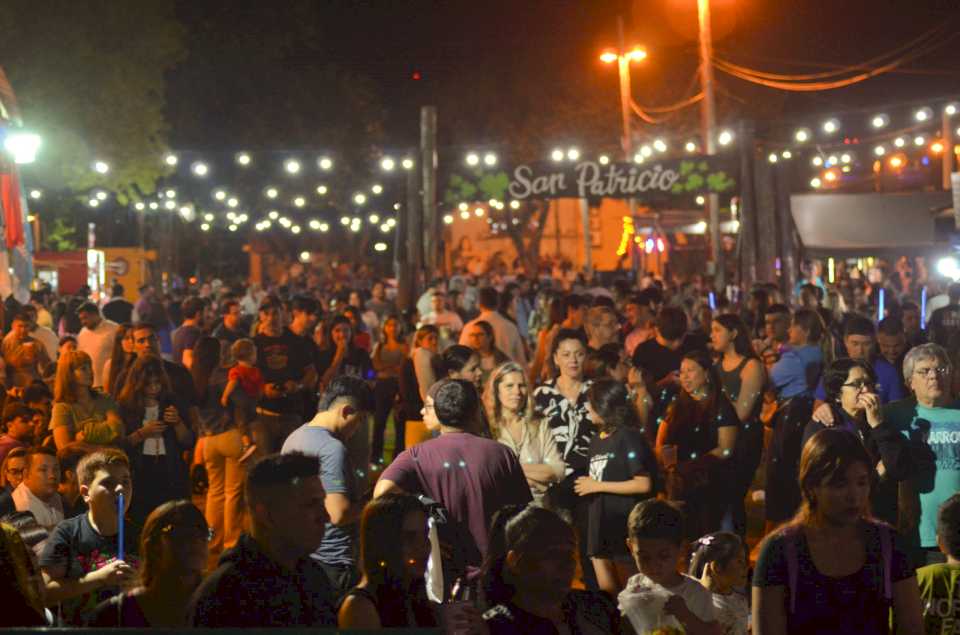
column 791, row 535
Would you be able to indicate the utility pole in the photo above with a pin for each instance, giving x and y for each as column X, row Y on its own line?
column 708, row 125
column 947, row 136
column 428, row 167
column 626, row 96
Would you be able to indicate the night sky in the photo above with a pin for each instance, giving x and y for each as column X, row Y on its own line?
column 463, row 50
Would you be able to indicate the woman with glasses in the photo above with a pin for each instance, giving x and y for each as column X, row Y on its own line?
column 11, row 471
column 173, row 552
column 851, row 387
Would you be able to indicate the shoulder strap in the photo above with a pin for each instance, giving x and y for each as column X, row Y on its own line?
column 791, row 536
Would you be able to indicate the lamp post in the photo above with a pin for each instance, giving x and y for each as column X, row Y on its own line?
column 709, row 123
column 623, row 58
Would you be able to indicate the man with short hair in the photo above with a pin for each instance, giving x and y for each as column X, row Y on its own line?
column 470, row 476
column 269, row 579
column 892, row 343
column 49, row 339
column 448, row 322
column 230, row 328
column 80, row 561
column 37, row 493
column 661, row 355
column 18, row 422
column 505, row 333
column 26, row 358
column 286, row 364
column 117, row 309
column 776, row 327
column 96, row 339
column 186, row 335
column 639, row 325
column 602, row 327
column 146, row 342
column 345, row 407
column 378, row 302
column 912, row 325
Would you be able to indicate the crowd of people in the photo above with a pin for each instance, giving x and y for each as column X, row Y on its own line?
column 635, row 457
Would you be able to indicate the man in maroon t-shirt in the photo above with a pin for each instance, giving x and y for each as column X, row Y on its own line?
column 470, row 476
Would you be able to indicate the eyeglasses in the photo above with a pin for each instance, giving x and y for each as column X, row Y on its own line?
column 860, row 384
column 931, row 372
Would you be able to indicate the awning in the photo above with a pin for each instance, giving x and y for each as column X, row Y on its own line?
column 854, row 224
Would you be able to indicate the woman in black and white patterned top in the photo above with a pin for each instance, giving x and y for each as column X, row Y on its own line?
column 562, row 403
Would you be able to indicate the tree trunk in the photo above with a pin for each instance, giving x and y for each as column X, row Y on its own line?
column 528, row 251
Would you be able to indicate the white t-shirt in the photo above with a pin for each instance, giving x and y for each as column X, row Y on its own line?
column 98, row 344
column 642, row 602
column 732, row 613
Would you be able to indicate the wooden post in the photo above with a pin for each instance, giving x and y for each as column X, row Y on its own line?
column 428, row 168
column 747, row 237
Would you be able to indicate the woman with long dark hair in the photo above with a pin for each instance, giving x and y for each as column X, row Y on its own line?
column 391, row 593
column 173, row 554
column 528, row 576
column 122, row 356
column 342, row 356
column 696, row 441
column 833, row 569
column 388, row 356
column 742, row 377
column 462, row 362
column 156, row 436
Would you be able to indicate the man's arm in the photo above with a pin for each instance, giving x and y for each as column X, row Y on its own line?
column 386, row 486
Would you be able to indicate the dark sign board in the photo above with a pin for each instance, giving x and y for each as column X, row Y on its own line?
column 652, row 182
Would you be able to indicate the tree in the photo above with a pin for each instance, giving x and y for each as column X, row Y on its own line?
column 89, row 77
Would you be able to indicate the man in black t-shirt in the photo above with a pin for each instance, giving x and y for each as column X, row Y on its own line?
column 80, row 561
column 661, row 355
column 285, row 362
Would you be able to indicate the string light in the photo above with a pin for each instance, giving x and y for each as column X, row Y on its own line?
column 387, row 164
column 299, row 201
column 380, row 247
column 322, row 190
column 802, row 135
column 295, row 229
column 314, row 224
column 325, row 163
column 557, row 155
column 817, row 160
column 690, row 147
column 490, row 159
column 407, row 164
column 232, row 202
column 923, row 114
column 292, row 166
column 899, row 142
column 725, row 138
column 205, row 227
column 273, row 215
column 200, row 169
column 377, row 188
column 831, row 125
column 880, row 121
column 514, row 204
column 660, row 145
column 573, row 154
column 473, row 159
column 170, row 159
column 220, row 195
column 243, row 159
column 448, row 219
column 603, row 159
column 359, row 198
column 208, row 217
column 271, row 192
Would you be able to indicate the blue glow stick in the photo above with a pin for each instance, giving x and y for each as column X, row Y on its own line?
column 120, row 506
column 713, row 301
column 923, row 309
column 880, row 304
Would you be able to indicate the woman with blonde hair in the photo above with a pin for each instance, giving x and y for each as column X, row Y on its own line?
column 509, row 407
column 80, row 413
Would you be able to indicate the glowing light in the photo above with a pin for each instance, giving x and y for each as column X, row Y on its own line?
column 830, row 175
column 36, row 194
column 845, row 158
column 23, row 146
column 292, row 166
column 464, row 215
column 478, row 212
column 170, row 205
column 407, row 164
column 815, row 182
column 93, row 202
column 299, row 201
column 773, row 158
column 638, row 158
column 832, row 160
column 373, row 218
column 170, row 159
column 200, row 169
column 448, row 219
column 514, row 204
column 557, row 155
column 101, row 167
column 786, row 154
column 273, row 215
column 344, row 220
column 490, row 159
column 324, row 227
column 603, row 159
column 660, row 145
column 896, row 162
column 879, row 151
column 608, row 57
column 208, row 217
column 725, row 138
column 171, row 193
column 325, row 163
column 950, row 110
column 802, row 135
column 232, row 228
column 154, row 205
column 473, row 159
column 205, row 227
column 140, row 206
column 271, row 192
column 220, row 195
column 295, row 229
column 322, row 190
column 232, row 202
column 701, row 200
column 817, row 161
column 385, row 228
column 831, row 125
column 285, row 222
column 646, row 151
column 387, row 164
column 690, row 147
column 101, row 195
column 359, row 198
column 923, row 114
column 573, row 154
column 243, row 159
column 380, row 247
column 936, row 147
column 304, row 256
column 919, row 140
column 377, row 188
column 879, row 121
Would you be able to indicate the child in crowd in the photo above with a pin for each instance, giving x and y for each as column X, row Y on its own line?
column 80, row 562
column 660, row 599
column 623, row 471
column 938, row 582
column 245, row 374
column 719, row 561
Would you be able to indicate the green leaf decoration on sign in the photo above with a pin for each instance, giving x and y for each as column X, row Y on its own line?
column 694, row 183
column 719, row 182
column 686, row 167
column 494, row 185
